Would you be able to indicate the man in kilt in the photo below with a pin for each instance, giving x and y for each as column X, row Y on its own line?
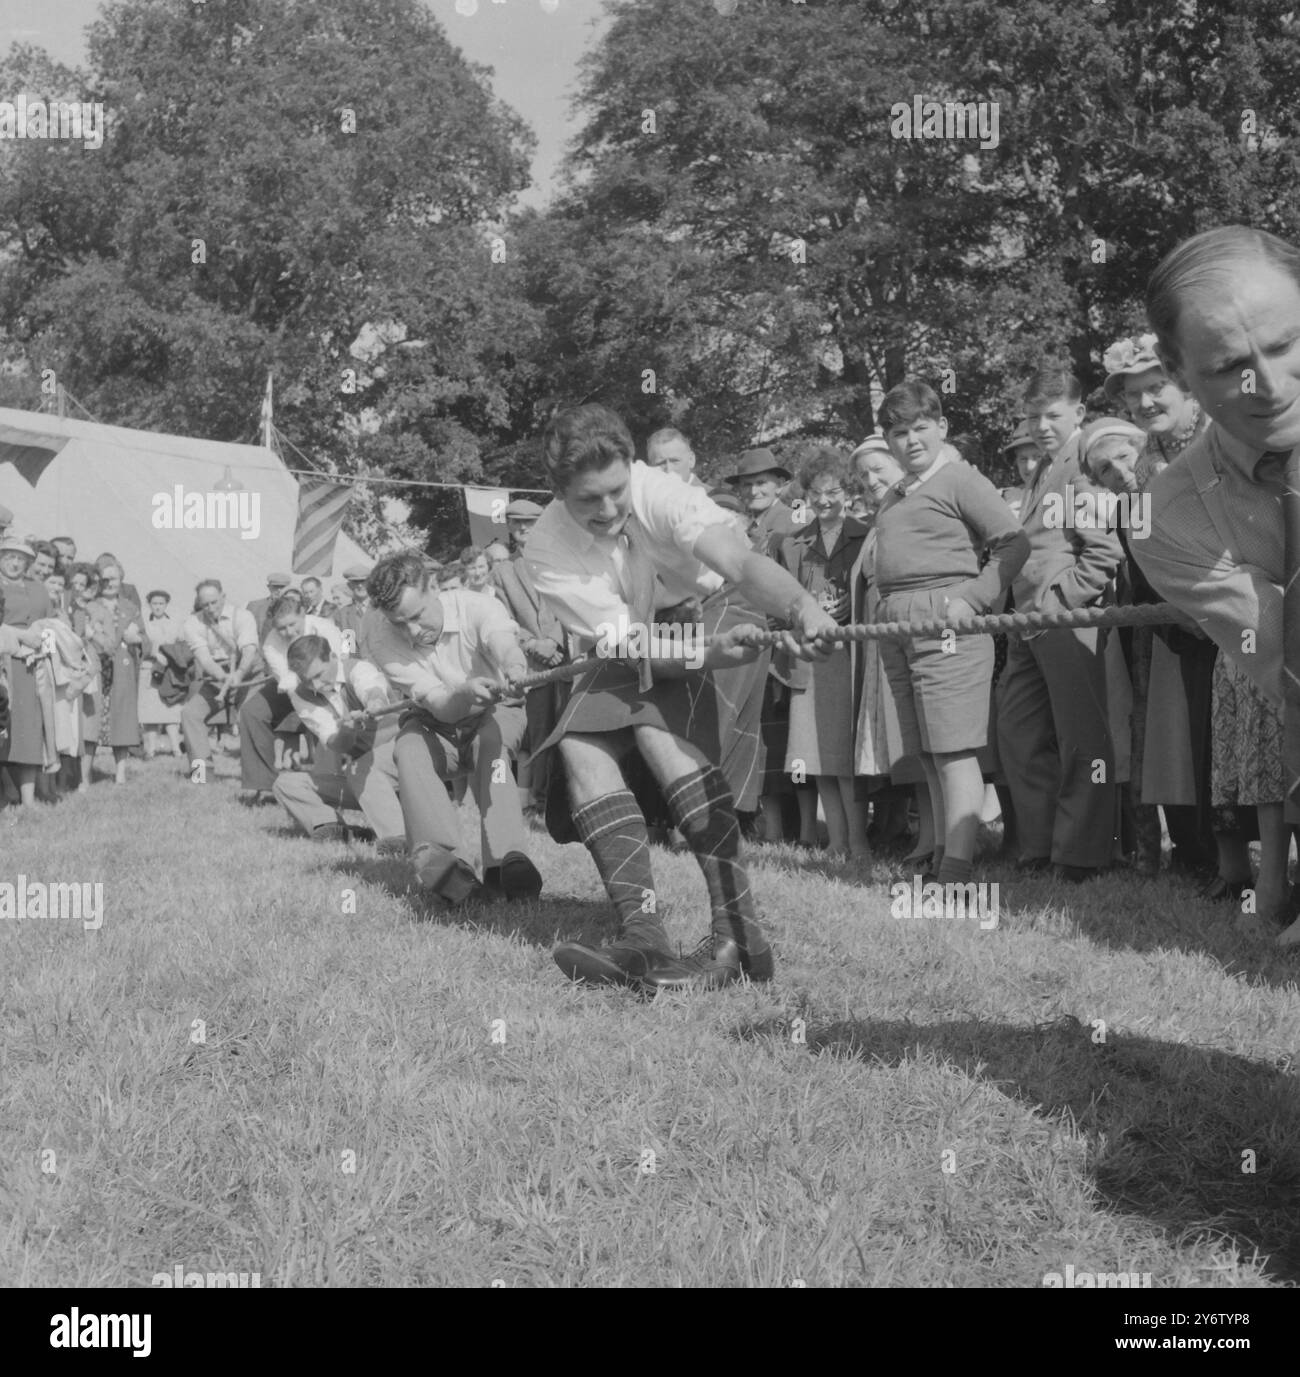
column 620, row 539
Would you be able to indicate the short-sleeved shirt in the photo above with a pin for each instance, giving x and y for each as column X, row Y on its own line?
column 235, row 631
column 592, row 581
column 460, row 652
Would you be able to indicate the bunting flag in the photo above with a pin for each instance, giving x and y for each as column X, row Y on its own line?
column 485, row 509
column 321, row 507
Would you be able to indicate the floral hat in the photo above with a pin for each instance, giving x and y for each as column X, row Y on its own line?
column 1136, row 354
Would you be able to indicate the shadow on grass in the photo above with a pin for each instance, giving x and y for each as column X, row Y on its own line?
column 542, row 922
column 1131, row 912
column 1167, row 1124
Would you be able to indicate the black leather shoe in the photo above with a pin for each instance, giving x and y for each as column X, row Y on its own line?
column 613, row 964
column 709, row 967
column 719, row 960
column 742, row 940
column 519, row 877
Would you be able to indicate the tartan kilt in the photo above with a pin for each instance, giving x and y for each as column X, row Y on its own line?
column 609, row 699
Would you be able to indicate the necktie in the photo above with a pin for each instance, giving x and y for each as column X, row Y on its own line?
column 1291, row 631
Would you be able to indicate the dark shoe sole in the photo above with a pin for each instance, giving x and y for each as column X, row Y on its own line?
column 597, row 966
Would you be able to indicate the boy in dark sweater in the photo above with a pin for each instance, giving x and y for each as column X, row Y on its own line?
column 929, row 533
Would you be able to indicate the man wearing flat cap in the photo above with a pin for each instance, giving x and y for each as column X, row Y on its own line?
column 351, row 617
column 521, row 517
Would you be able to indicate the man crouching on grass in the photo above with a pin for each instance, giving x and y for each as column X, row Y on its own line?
column 619, row 530
column 452, row 654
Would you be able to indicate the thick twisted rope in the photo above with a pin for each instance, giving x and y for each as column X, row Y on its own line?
column 990, row 624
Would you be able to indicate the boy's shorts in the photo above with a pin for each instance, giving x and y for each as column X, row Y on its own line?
column 942, row 697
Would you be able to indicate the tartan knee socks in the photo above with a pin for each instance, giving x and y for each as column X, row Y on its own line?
column 613, row 829
column 702, row 811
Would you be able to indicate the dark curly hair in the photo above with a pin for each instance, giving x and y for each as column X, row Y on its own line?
column 582, row 438
column 393, row 575
column 823, row 462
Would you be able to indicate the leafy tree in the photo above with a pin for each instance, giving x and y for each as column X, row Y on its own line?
column 741, row 220
column 280, row 177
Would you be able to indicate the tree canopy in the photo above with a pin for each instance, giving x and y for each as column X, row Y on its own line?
column 742, row 245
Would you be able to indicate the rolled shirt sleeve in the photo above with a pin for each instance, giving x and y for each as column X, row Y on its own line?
column 366, row 679
column 319, row 720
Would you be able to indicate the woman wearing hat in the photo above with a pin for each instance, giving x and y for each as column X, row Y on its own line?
column 26, row 751
column 1022, row 450
column 1190, row 691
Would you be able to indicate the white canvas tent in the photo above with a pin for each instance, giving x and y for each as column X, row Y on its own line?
column 97, row 484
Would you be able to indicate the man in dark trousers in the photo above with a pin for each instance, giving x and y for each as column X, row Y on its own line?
column 1053, row 725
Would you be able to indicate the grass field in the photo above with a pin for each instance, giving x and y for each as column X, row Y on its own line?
column 911, row 1103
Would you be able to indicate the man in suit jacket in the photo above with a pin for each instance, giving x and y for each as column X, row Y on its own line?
column 1053, row 730
column 351, row 616
column 314, row 601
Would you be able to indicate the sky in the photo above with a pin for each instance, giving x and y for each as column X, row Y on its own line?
column 532, row 45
